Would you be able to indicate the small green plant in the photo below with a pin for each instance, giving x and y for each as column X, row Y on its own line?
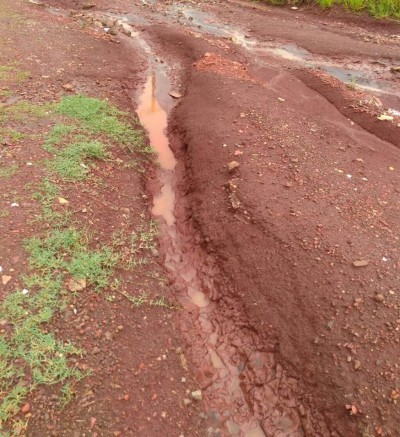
column 352, row 85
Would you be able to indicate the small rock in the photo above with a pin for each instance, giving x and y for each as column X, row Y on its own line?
column 197, row 395
column 62, row 201
column 233, row 165
column 175, row 94
column 5, row 279
column 360, row 263
column 379, row 297
column 68, row 87
column 108, row 336
column 96, row 350
column 186, row 402
column 357, row 364
column 88, row 6
column 26, row 408
column 76, row 284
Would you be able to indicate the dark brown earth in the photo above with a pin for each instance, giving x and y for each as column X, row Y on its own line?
column 311, row 340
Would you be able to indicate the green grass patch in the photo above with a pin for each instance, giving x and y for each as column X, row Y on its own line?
column 100, row 117
column 30, row 354
column 377, row 8
column 28, row 349
column 7, row 172
column 70, row 162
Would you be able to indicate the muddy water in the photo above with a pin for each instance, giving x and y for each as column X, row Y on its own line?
column 182, row 257
column 245, row 392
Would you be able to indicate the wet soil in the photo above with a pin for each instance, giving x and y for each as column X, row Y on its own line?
column 275, row 178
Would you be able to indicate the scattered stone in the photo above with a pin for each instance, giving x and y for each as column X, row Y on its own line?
column 62, row 201
column 360, row 263
column 288, row 184
column 357, row 364
column 5, row 279
column 197, row 395
column 88, row 6
column 76, row 284
column 385, row 117
column 126, row 29
column 96, row 350
column 233, row 165
column 108, row 336
column 281, row 100
column 329, row 325
column 175, row 94
column 26, row 408
column 379, row 297
column 68, row 87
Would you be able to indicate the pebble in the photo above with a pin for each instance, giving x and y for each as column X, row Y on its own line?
column 197, row 395
column 233, row 165
column 379, row 297
column 360, row 263
column 26, row 408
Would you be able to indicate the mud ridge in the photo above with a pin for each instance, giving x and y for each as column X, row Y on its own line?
column 385, row 131
column 268, row 392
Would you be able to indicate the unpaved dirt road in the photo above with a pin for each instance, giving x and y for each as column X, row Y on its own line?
column 277, row 135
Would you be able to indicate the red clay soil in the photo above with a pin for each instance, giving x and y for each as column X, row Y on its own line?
column 293, row 190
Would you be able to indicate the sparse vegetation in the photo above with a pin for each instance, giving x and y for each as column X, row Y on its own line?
column 8, row 171
column 377, row 8
column 30, row 355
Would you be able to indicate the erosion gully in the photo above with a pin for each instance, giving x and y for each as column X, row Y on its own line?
column 246, row 393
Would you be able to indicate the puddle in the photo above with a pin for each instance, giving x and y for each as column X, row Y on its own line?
column 204, row 21
column 291, row 52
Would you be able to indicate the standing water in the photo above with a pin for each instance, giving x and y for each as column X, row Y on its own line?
column 182, row 259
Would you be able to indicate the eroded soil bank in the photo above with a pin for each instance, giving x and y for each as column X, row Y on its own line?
column 276, row 195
